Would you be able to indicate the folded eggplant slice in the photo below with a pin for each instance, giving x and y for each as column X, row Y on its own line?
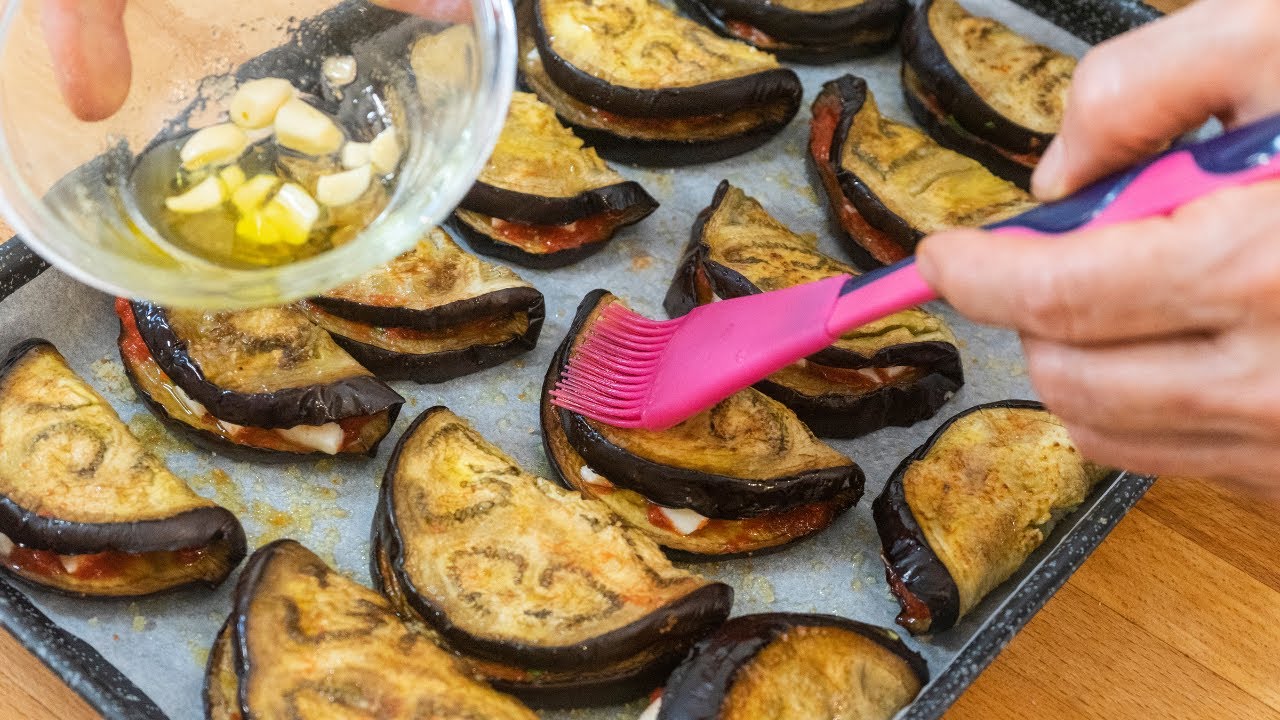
column 981, row 89
column 435, row 313
column 646, row 86
column 813, row 31
column 260, row 384
column 544, row 200
column 791, row 665
column 965, row 510
column 889, row 184
column 896, row 371
column 742, row 477
column 304, row 642
column 85, row 508
column 566, row 601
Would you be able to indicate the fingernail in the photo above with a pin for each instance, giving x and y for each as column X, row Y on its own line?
column 1048, row 182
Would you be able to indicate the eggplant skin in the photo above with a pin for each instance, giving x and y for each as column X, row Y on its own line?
column 699, row 687
column 519, row 207
column 498, row 302
column 311, row 405
column 862, row 30
column 493, row 247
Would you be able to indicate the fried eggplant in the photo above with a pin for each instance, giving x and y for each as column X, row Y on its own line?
column 893, row 372
column 85, row 508
column 742, row 477
column 964, row 510
column 889, row 184
column 793, row 666
column 261, row 384
column 433, row 314
column 554, row 597
column 544, row 199
column 806, row 31
column 303, row 642
column 981, row 89
column 646, row 86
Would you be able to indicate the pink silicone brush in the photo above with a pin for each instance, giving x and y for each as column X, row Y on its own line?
column 640, row 373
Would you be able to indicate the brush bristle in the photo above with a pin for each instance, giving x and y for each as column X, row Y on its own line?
column 609, row 375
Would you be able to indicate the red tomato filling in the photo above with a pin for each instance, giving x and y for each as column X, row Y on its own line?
column 542, row 239
column 750, row 33
column 111, row 563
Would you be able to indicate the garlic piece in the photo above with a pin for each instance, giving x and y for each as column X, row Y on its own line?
column 355, row 154
column 343, row 188
column 305, row 129
column 293, row 212
column 253, row 194
column 206, row 195
column 256, row 102
column 214, row 145
column 232, row 178
column 339, row 70
column 384, row 151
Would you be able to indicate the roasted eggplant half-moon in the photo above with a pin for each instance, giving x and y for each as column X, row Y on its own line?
column 544, row 199
column 742, row 477
column 433, row 314
column 261, row 384
column 646, row 86
column 555, row 598
column 85, row 508
column 965, row 510
column 791, row 666
column 303, row 642
column 890, row 184
column 809, row 31
column 981, row 89
column 895, row 371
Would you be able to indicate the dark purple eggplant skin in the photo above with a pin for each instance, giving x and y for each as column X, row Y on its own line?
column 907, row 557
column 807, row 53
column 841, row 416
column 673, row 153
column 940, row 79
column 312, row 405
column 193, row 528
column 951, row 135
column 715, row 496
column 852, row 91
column 697, row 689
column 762, row 88
column 519, row 207
column 497, row 303
column 440, row 367
column 694, row 615
column 495, row 248
column 815, row 38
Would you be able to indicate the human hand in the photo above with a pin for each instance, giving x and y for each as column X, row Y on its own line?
column 90, row 50
column 1157, row 342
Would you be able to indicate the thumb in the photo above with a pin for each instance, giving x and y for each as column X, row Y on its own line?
column 90, row 54
column 455, row 11
column 1133, row 94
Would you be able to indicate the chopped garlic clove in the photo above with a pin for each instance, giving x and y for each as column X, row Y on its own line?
column 339, row 70
column 384, row 151
column 343, row 188
column 325, row 438
column 685, row 521
column 214, row 145
column 256, row 102
column 292, row 213
column 254, row 193
column 305, row 129
column 206, row 195
column 355, row 154
column 232, row 178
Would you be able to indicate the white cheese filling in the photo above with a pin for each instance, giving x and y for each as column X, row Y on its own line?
column 591, row 477
column 651, row 712
column 684, row 520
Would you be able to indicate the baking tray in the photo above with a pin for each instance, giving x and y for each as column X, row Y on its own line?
column 144, row 659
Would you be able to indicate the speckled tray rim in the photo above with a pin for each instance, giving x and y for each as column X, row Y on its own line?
column 113, row 695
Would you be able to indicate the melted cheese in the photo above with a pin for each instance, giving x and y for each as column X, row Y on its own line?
column 591, row 476
column 651, row 712
column 326, row 438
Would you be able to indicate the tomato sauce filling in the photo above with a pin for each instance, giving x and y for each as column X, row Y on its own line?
column 97, row 566
column 930, row 101
column 135, row 349
column 915, row 615
column 752, row 34
column 826, row 115
column 545, row 239
column 796, row 522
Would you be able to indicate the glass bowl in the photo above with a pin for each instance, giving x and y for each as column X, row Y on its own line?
column 65, row 184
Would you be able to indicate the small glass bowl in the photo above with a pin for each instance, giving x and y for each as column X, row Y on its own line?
column 64, row 183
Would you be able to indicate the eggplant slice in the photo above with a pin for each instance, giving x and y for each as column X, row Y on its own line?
column 807, row 31
column 558, row 600
column 896, row 371
column 981, row 89
column 544, row 200
column 889, row 184
column 433, row 314
column 794, row 666
column 304, row 642
column 85, row 509
column 742, row 477
column 646, row 86
column 965, row 510
column 261, row 384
